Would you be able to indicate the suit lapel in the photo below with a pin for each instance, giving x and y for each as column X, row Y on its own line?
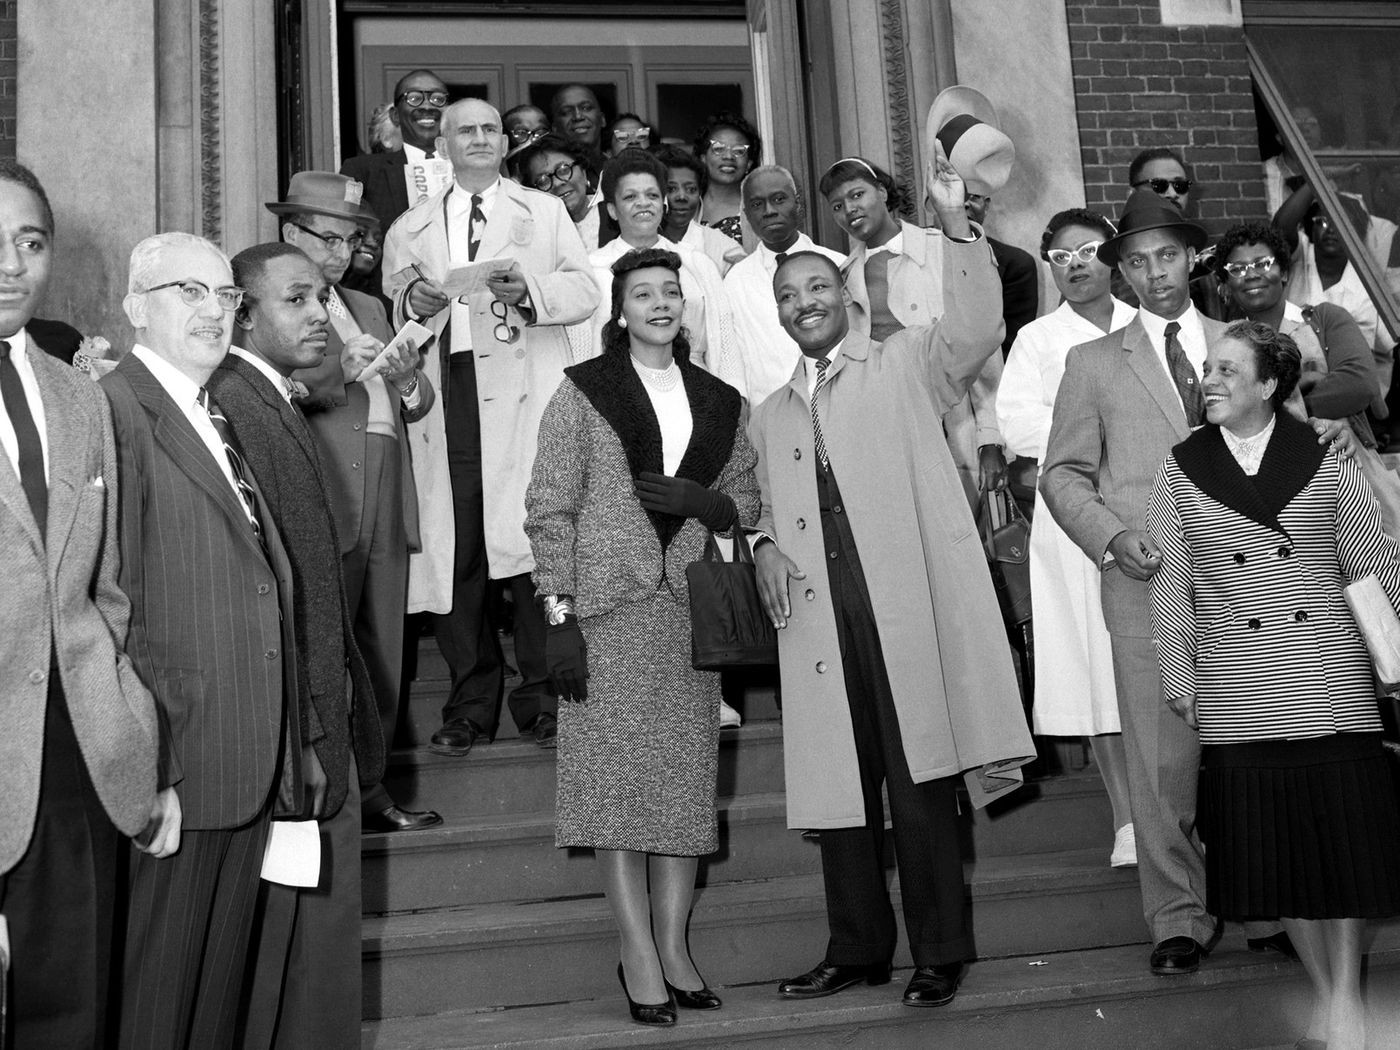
column 291, row 418
column 394, row 165
column 509, row 212
column 68, row 435
column 1142, row 360
column 13, row 497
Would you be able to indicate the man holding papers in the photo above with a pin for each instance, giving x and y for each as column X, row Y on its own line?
column 499, row 353
column 360, row 422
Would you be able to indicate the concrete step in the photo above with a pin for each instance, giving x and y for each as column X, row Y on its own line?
column 1093, row 999
column 509, row 858
column 548, row 951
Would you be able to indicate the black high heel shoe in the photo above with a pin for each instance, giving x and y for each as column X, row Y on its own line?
column 704, row 999
column 656, row 1015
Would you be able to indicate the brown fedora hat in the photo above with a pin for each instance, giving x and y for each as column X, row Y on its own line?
column 325, row 193
column 1147, row 211
column 965, row 122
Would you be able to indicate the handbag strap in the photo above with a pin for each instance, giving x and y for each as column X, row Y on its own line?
column 743, row 552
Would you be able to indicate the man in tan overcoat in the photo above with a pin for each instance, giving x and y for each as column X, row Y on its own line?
column 894, row 658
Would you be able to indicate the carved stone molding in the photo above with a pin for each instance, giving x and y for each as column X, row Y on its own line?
column 210, row 123
column 897, row 95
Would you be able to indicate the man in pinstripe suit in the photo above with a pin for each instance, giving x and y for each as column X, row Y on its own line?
column 210, row 636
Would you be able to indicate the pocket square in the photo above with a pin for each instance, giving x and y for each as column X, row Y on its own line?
column 98, row 483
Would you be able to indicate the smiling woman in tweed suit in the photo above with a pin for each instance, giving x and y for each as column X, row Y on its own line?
column 1260, row 528
column 640, row 456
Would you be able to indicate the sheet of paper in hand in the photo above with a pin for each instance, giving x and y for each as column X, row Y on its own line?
column 466, row 281
column 412, row 334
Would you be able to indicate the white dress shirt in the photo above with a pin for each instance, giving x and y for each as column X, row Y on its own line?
column 459, row 211
column 184, row 391
column 1192, row 339
column 770, row 353
column 1249, row 452
column 809, row 365
column 20, row 349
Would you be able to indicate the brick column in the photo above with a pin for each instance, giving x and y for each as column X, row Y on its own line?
column 9, row 39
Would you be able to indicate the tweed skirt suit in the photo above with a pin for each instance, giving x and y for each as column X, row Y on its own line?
column 638, row 761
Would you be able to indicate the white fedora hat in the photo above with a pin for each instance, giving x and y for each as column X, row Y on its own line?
column 965, row 122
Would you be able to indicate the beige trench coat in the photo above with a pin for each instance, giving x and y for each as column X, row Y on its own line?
column 514, row 381
column 941, row 631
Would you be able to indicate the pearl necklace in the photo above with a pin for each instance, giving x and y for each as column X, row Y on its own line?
column 662, row 380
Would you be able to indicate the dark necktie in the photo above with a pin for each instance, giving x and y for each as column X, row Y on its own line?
column 236, row 461
column 781, row 258
column 476, row 226
column 428, row 154
column 820, row 442
column 31, row 449
column 1184, row 376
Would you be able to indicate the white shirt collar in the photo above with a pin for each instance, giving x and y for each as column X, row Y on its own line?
column 809, row 366
column 461, row 200
column 769, row 257
column 1156, row 326
column 274, row 377
column 1249, row 452
column 19, row 346
column 895, row 245
column 183, row 390
column 416, row 155
column 1292, row 312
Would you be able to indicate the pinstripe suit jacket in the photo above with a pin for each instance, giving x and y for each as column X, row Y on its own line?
column 1117, row 415
column 1247, row 608
column 208, row 609
column 60, row 601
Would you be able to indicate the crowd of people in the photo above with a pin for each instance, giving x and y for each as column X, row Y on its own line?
column 553, row 355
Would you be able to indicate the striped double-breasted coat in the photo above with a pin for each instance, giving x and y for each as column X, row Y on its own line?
column 1247, row 609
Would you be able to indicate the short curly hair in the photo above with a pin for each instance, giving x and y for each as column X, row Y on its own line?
column 1074, row 217
column 675, row 157
column 739, row 124
column 630, row 162
column 615, row 338
column 1246, row 233
column 849, row 169
column 1276, row 356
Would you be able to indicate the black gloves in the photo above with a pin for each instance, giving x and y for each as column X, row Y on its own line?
column 683, row 498
column 566, row 656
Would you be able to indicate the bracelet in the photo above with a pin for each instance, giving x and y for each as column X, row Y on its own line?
column 407, row 391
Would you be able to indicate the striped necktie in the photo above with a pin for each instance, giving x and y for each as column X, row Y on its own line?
column 1184, row 376
column 236, row 461
column 30, row 448
column 820, row 442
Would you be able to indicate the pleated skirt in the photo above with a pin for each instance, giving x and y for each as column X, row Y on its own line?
column 1301, row 829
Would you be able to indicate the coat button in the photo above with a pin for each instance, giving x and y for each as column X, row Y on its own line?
column 1300, row 615
column 914, row 307
column 797, row 453
column 811, row 595
column 263, row 588
column 836, row 509
column 355, row 465
column 1239, row 558
column 523, row 397
column 520, row 353
column 36, row 676
column 1284, row 552
column 271, row 654
column 1254, row 624
column 355, row 427
column 801, row 523
column 821, row 667
column 831, row 555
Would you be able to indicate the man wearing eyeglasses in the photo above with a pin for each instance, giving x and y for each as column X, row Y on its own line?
column 360, row 419
column 212, row 637
column 499, row 353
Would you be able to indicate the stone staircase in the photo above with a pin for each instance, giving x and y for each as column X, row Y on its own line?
column 479, row 933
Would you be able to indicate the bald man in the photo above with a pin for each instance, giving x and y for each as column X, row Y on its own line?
column 498, row 355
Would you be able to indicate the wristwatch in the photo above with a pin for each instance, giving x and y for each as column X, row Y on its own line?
column 557, row 607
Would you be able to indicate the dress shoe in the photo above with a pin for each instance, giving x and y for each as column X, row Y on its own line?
column 704, row 999
column 933, row 985
column 827, row 979
column 1176, row 955
column 728, row 717
column 392, row 818
column 1124, row 853
column 456, row 737
column 656, row 1015
column 1279, row 942
column 546, row 730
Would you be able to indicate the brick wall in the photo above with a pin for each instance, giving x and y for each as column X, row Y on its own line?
column 1138, row 84
column 9, row 38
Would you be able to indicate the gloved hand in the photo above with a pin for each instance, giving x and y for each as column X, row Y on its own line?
column 566, row 657
column 683, row 498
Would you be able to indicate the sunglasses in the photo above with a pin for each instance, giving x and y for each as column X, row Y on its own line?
column 505, row 333
column 1260, row 266
column 546, row 179
column 197, row 293
column 1062, row 257
column 415, row 99
column 1159, row 186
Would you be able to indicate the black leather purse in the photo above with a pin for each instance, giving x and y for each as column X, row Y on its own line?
column 728, row 627
column 1008, row 553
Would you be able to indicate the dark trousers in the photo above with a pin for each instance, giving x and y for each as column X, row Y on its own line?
column 467, row 635
column 376, row 587
column 190, row 926
column 923, row 817
column 306, row 979
column 59, row 902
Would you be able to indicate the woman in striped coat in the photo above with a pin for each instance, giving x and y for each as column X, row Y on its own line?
column 1260, row 528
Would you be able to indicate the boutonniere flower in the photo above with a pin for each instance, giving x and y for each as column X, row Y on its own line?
column 95, row 356
column 522, row 230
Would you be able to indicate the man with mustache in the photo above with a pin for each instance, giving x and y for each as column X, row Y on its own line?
column 308, row 956
column 498, row 354
column 360, row 420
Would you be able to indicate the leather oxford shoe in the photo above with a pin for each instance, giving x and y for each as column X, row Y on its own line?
column 1177, row 955
column 933, row 985
column 827, row 979
column 1279, row 942
column 456, row 737
column 392, row 818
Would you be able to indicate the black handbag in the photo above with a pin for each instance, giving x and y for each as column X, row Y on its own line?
column 728, row 627
column 1008, row 553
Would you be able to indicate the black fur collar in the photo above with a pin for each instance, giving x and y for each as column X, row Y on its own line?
column 613, row 387
column 1289, row 463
